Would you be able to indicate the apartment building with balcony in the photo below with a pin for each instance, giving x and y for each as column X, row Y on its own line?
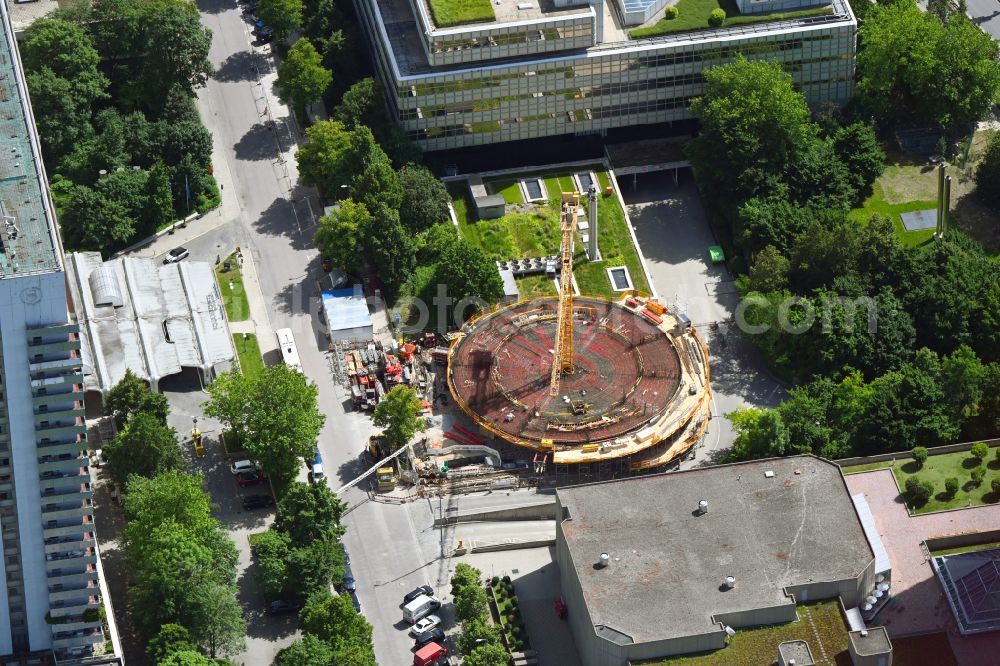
column 50, row 600
column 534, row 68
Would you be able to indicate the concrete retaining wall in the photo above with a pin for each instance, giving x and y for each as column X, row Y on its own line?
column 949, row 541
column 539, row 511
column 906, row 455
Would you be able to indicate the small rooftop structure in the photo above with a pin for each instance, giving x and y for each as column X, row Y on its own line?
column 347, row 316
column 785, row 530
column 870, row 647
column 795, row 653
column 510, row 290
column 155, row 320
column 28, row 236
column 971, row 583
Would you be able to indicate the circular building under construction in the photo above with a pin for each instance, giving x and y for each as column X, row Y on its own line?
column 637, row 388
column 585, row 380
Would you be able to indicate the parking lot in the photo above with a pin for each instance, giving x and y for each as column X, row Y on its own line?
column 674, row 236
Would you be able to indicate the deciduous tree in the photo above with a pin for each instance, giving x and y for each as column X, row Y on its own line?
column 342, row 235
column 323, row 161
column 130, row 396
column 274, row 414
column 490, row 654
column 425, row 200
column 750, row 116
column 302, row 79
column 471, row 279
column 477, row 631
column 908, row 54
column 216, row 619
column 306, row 651
column 358, row 103
column 281, row 16
column 398, row 414
column 333, row 620
column 145, row 447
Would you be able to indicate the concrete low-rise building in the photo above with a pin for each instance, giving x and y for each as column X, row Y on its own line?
column 542, row 68
column 668, row 564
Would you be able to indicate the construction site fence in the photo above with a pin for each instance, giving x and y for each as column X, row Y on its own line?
column 906, row 455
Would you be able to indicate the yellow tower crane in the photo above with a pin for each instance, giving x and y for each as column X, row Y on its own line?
column 562, row 355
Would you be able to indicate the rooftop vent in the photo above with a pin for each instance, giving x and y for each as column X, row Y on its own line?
column 864, row 632
column 604, row 561
column 769, row 474
column 703, row 506
column 730, row 582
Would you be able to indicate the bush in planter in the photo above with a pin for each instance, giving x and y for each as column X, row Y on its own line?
column 494, row 580
column 671, row 13
column 717, row 17
column 506, row 579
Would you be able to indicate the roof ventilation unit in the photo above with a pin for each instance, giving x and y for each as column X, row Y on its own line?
column 730, row 582
column 703, row 506
column 604, row 561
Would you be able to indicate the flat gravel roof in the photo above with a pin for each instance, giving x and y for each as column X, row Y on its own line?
column 668, row 561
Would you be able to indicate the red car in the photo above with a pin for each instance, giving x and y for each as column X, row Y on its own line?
column 250, row 478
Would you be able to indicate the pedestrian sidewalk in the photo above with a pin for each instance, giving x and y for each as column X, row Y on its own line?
column 259, row 317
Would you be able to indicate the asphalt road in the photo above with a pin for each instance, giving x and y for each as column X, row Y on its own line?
column 271, row 219
column 986, row 14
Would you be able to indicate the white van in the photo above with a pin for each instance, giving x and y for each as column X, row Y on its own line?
column 420, row 607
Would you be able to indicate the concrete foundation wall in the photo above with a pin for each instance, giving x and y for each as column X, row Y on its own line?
column 540, row 511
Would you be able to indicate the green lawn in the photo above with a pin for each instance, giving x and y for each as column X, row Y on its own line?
column 509, row 189
column 818, row 623
column 693, row 15
column 534, row 286
column 456, row 12
column 234, row 295
column 940, row 467
column 876, row 204
column 534, row 234
column 251, row 362
column 967, row 549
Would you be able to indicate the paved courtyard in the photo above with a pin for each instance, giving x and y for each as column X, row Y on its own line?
column 674, row 236
column 919, row 605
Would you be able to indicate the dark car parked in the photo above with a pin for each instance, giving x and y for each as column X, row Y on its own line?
column 435, row 635
column 281, row 607
column 413, row 594
column 257, row 502
column 250, row 478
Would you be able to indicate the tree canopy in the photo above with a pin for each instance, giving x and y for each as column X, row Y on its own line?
column 915, row 67
column 323, row 160
column 145, row 447
column 333, row 620
column 342, row 235
column 751, row 116
column 130, row 396
column 273, row 414
column 302, row 79
column 425, row 200
column 281, row 16
column 398, row 414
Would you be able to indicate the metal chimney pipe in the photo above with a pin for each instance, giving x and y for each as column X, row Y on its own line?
column 593, row 250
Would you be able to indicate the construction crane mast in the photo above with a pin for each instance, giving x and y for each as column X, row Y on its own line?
column 562, row 355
